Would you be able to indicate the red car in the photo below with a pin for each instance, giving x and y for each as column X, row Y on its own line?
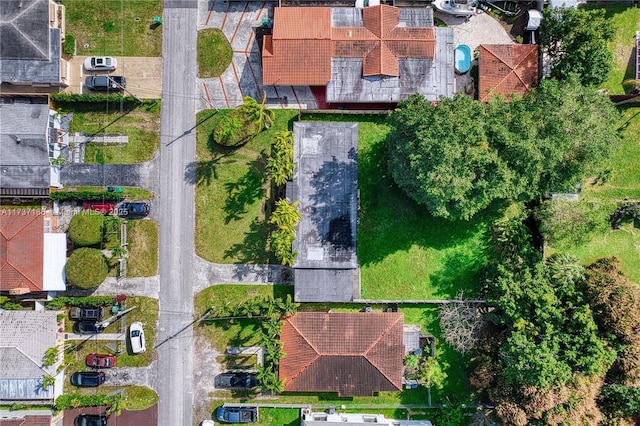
column 101, row 361
column 104, row 208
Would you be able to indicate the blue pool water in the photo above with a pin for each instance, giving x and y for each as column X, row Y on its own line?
column 463, row 58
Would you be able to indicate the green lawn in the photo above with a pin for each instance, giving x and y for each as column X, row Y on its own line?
column 625, row 20
column 624, row 183
column 114, row 27
column 141, row 125
column 278, row 417
column 214, row 53
column 232, row 194
column 143, row 248
column 404, row 252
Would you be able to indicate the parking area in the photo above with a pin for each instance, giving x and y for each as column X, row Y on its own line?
column 143, row 74
column 148, row 417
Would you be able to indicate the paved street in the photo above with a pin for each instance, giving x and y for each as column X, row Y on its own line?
column 174, row 341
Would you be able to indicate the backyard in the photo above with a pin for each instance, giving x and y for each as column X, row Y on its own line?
column 117, row 28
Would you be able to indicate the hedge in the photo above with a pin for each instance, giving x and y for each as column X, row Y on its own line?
column 85, row 196
column 91, row 98
column 69, row 45
column 66, row 401
column 86, row 268
column 86, row 228
column 63, row 301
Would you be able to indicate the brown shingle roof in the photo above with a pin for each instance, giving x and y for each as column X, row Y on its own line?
column 21, row 249
column 507, row 69
column 303, row 43
column 28, row 420
column 349, row 353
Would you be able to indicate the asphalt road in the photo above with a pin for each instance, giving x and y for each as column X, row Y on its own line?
column 174, row 369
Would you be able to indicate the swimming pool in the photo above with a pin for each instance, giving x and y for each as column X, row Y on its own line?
column 462, row 58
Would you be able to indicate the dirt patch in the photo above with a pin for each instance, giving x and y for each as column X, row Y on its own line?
column 205, row 368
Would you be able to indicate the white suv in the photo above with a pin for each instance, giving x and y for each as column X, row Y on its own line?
column 136, row 336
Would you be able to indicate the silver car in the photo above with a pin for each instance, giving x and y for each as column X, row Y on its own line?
column 100, row 63
column 136, row 337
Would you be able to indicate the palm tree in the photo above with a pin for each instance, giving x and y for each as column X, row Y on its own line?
column 257, row 112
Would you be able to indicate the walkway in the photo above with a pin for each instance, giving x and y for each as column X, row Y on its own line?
column 207, row 274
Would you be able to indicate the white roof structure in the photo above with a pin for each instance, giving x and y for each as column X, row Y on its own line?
column 336, row 419
column 55, row 257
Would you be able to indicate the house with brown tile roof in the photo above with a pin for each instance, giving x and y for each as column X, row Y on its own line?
column 17, row 419
column 375, row 54
column 507, row 69
column 31, row 260
column 351, row 353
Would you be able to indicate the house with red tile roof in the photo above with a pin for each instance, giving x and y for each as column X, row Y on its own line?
column 507, row 69
column 27, row 420
column 32, row 258
column 373, row 54
column 351, row 353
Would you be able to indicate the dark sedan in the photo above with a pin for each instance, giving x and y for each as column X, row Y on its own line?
column 90, row 420
column 237, row 414
column 133, row 210
column 236, row 380
column 87, row 327
column 88, row 379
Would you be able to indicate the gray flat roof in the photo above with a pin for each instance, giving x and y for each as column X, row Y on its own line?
column 29, row 48
column 433, row 78
column 24, row 164
column 325, row 182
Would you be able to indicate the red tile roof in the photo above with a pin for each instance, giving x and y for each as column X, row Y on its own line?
column 507, row 69
column 303, row 43
column 21, row 249
column 349, row 353
column 28, row 420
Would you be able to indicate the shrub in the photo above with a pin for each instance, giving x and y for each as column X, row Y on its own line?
column 86, row 228
column 86, row 268
column 62, row 302
column 566, row 223
column 66, row 401
column 86, row 195
column 285, row 218
column 280, row 163
column 69, row 45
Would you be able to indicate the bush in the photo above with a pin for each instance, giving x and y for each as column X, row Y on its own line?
column 84, row 196
column 568, row 223
column 280, row 164
column 86, row 268
column 62, row 302
column 86, row 228
column 87, row 98
column 66, row 401
column 234, row 129
column 69, row 45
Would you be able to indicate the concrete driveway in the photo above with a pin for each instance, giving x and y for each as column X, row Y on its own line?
column 144, row 75
column 479, row 29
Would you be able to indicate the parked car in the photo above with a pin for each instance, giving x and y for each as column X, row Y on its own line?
column 133, row 209
column 207, row 423
column 104, row 208
column 105, row 83
column 90, row 420
column 87, row 327
column 86, row 313
column 101, row 361
column 232, row 379
column 88, row 379
column 136, row 336
column 237, row 414
column 100, row 63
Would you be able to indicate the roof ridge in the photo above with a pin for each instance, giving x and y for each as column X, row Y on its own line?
column 386, row 332
column 501, row 60
column 522, row 59
column 301, row 370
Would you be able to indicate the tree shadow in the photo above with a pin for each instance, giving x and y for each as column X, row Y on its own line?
column 253, row 248
column 246, row 190
column 199, row 172
column 461, row 270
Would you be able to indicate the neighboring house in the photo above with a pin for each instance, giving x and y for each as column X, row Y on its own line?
column 25, row 337
column 32, row 258
column 351, row 353
column 325, row 182
column 309, row 418
column 31, row 143
column 22, row 418
column 378, row 54
column 507, row 69
column 31, row 34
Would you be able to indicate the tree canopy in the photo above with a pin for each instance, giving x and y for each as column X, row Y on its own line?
column 86, row 268
column 460, row 156
column 86, row 228
column 576, row 41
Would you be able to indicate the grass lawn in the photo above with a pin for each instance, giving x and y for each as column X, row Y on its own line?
column 278, row 417
column 214, row 53
column 143, row 248
column 625, row 20
column 232, row 194
column 404, row 252
column 114, row 27
column 624, row 183
column 141, row 125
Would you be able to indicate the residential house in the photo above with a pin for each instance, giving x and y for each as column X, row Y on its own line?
column 31, row 142
column 31, row 34
column 25, row 418
column 378, row 54
column 32, row 258
column 351, row 353
column 325, row 182
column 25, row 337
column 331, row 418
column 507, row 69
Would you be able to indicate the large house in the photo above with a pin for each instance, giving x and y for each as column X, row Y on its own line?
column 378, row 54
column 30, row 142
column 32, row 258
column 507, row 69
column 31, row 34
column 325, row 182
column 351, row 353
column 25, row 337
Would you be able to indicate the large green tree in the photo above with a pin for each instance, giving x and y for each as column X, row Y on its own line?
column 576, row 41
column 459, row 156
